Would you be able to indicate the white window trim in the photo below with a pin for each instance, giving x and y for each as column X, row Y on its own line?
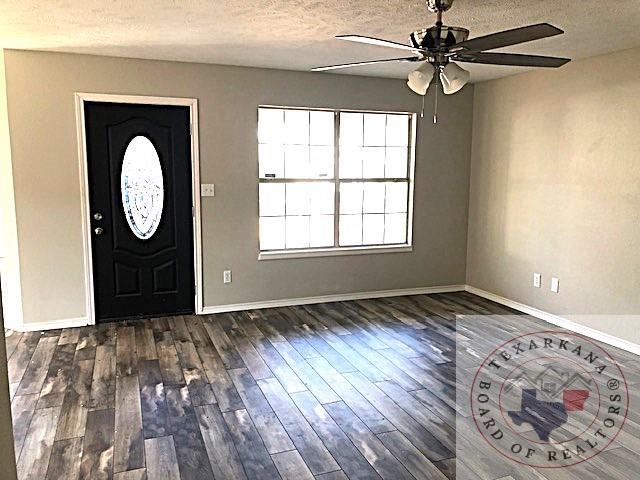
column 334, row 251
column 358, row 249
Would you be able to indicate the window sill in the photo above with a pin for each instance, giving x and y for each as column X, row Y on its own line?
column 333, row 252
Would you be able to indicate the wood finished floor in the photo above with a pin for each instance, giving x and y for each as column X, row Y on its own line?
column 360, row 389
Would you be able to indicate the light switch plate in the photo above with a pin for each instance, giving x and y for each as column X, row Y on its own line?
column 555, row 284
column 207, row 190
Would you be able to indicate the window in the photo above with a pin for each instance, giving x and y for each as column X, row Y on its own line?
column 334, row 180
column 141, row 186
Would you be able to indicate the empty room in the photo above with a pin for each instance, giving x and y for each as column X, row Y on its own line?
column 333, row 240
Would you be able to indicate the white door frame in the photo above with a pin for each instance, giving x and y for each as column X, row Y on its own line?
column 192, row 103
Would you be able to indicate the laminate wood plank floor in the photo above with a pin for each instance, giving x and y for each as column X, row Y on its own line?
column 342, row 390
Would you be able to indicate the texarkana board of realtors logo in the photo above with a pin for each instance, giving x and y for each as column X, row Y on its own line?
column 549, row 399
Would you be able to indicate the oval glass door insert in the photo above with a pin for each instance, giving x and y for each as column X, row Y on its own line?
column 142, row 187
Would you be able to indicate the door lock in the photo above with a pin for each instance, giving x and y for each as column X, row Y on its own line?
column 97, row 216
column 99, row 231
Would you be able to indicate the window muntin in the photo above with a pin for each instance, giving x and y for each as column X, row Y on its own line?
column 333, row 179
column 142, row 188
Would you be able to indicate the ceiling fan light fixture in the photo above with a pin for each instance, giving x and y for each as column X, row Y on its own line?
column 419, row 79
column 453, row 78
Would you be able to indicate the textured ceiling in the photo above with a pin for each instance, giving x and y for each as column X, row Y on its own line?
column 299, row 34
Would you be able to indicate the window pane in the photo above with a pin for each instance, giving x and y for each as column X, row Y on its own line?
column 271, row 160
column 350, row 162
column 321, row 130
column 298, row 199
column 321, row 162
column 296, row 161
column 350, row 230
column 351, row 129
column 321, row 231
column 396, row 198
column 297, row 232
column 373, row 162
column 397, row 130
column 396, row 162
column 351, row 198
column 395, row 228
column 373, row 197
column 270, row 125
column 296, row 124
column 372, row 229
column 271, row 199
column 321, row 198
column 374, row 127
column 272, row 233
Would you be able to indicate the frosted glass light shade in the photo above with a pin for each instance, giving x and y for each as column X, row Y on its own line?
column 419, row 79
column 453, row 78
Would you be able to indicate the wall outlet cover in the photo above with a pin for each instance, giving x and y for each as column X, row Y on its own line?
column 537, row 280
column 226, row 276
column 207, row 190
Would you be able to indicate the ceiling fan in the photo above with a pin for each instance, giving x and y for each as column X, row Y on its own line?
column 440, row 45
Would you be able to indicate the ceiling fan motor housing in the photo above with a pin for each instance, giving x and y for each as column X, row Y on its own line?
column 439, row 5
column 436, row 38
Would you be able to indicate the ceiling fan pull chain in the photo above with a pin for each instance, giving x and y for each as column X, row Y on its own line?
column 435, row 107
column 422, row 111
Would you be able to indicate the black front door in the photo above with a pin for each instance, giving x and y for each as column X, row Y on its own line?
column 139, row 170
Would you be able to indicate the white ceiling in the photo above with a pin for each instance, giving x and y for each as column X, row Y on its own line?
column 298, row 34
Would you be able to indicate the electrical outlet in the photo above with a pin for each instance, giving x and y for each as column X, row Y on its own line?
column 537, row 280
column 555, row 284
column 207, row 190
column 226, row 276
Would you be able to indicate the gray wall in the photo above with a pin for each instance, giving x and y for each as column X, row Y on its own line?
column 40, row 90
column 555, row 189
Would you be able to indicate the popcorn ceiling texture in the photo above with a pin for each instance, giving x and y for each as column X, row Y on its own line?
column 298, row 35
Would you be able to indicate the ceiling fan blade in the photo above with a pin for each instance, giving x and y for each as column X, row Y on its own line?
column 370, row 62
column 511, row 59
column 508, row 37
column 379, row 42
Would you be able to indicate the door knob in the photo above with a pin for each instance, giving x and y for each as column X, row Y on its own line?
column 99, row 231
column 97, row 216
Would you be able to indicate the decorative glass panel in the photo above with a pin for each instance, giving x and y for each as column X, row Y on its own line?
column 142, row 187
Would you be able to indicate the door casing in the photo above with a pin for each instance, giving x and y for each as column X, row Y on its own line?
column 192, row 103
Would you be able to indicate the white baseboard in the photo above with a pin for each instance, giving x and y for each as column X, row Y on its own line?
column 287, row 302
column 558, row 321
column 52, row 325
